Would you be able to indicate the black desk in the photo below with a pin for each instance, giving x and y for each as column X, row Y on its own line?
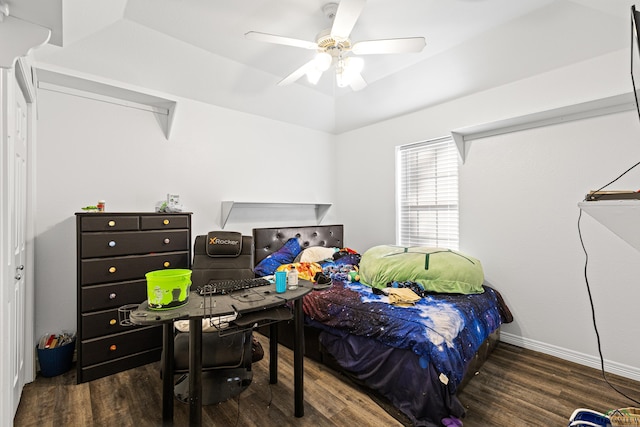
column 245, row 303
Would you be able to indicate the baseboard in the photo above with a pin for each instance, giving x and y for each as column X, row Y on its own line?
column 572, row 356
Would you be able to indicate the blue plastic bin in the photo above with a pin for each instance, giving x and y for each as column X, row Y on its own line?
column 56, row 361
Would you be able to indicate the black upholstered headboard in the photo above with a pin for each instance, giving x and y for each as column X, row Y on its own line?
column 268, row 240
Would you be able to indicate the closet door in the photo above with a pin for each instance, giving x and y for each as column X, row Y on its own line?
column 17, row 301
column 17, row 96
column 15, row 183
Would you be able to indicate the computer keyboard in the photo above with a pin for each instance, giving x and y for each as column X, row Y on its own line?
column 224, row 287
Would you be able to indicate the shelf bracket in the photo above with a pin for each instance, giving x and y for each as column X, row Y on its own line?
column 619, row 216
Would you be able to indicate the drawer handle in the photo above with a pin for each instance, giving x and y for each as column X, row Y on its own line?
column 112, row 244
column 112, row 295
column 165, row 222
column 112, row 223
column 113, row 321
column 112, row 347
column 112, row 269
column 167, row 263
column 167, row 241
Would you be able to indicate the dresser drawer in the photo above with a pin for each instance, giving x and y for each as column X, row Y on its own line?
column 133, row 242
column 161, row 222
column 102, row 297
column 119, row 345
column 106, row 222
column 102, row 323
column 93, row 372
column 118, row 269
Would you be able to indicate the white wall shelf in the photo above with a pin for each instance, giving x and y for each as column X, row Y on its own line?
column 228, row 208
column 111, row 92
column 622, row 217
column 584, row 110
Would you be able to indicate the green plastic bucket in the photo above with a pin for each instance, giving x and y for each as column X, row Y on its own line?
column 168, row 288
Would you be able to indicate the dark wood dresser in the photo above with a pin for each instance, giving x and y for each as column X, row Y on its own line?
column 114, row 252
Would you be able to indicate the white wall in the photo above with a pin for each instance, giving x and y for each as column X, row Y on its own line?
column 518, row 206
column 525, row 187
column 90, row 150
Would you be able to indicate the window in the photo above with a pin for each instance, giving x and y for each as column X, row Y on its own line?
column 427, row 191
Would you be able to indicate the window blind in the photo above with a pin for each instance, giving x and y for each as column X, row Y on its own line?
column 427, row 191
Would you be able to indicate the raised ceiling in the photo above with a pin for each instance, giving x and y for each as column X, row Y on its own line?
column 196, row 49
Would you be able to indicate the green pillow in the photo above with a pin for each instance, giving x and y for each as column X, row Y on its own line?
column 437, row 270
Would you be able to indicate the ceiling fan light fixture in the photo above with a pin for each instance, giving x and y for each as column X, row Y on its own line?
column 354, row 64
column 323, row 61
column 347, row 69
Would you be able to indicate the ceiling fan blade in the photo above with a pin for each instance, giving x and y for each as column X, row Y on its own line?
column 357, row 82
column 373, row 47
column 297, row 74
column 346, row 17
column 270, row 38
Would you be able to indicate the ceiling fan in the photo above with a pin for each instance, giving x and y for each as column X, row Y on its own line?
column 334, row 47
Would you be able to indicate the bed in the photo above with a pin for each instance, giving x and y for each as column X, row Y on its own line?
column 417, row 356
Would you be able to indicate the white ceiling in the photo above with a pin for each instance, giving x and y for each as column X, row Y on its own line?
column 197, row 49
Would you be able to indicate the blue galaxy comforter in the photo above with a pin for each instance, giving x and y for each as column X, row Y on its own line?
column 442, row 329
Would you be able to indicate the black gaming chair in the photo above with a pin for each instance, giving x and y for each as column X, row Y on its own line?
column 227, row 353
column 221, row 255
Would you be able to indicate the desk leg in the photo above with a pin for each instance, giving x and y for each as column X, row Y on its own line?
column 167, row 375
column 195, row 371
column 273, row 353
column 298, row 357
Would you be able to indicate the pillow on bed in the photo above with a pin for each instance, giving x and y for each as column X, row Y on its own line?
column 437, row 270
column 285, row 255
column 315, row 254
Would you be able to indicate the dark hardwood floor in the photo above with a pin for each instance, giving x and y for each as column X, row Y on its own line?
column 519, row 387
column 515, row 387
